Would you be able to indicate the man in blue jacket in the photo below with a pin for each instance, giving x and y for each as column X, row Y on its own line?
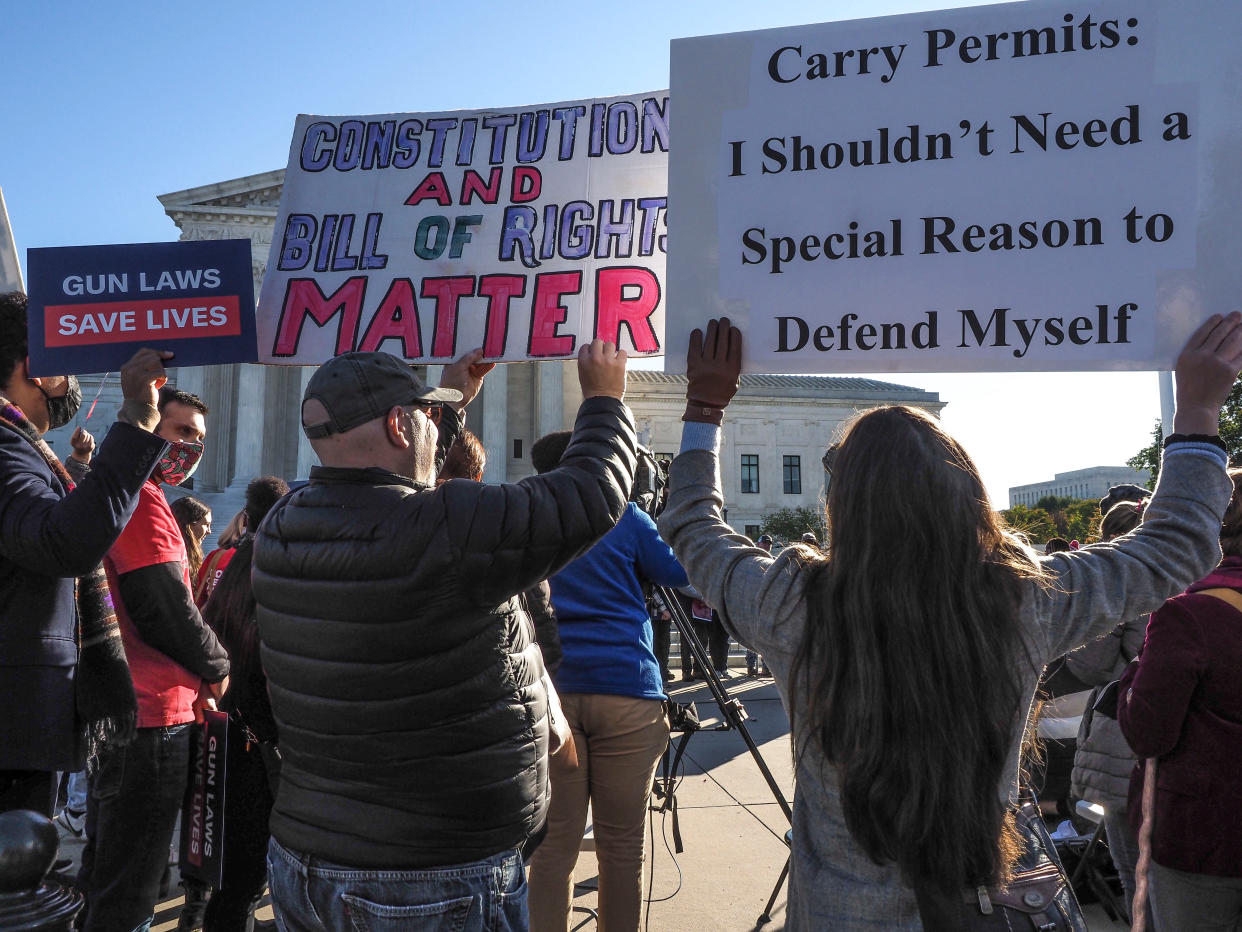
column 57, row 688
column 612, row 692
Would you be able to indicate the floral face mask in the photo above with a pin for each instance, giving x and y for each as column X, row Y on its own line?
column 179, row 461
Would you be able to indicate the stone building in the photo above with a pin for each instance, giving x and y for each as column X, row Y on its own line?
column 1079, row 483
column 776, row 431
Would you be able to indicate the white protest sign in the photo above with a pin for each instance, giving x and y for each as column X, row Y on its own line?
column 524, row 231
column 10, row 267
column 1025, row 186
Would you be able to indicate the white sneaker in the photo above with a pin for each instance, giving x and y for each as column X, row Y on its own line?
column 71, row 822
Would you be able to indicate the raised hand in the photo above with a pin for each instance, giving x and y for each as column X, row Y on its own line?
column 1206, row 370
column 143, row 376
column 601, row 370
column 713, row 370
column 83, row 444
column 466, row 375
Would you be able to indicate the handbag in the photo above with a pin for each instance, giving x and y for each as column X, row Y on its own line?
column 1039, row 898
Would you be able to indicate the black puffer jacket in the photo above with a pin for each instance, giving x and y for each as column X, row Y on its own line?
column 402, row 670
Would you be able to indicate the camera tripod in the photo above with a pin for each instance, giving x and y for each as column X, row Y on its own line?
column 734, row 718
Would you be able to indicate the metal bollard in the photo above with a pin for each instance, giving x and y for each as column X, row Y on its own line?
column 28, row 846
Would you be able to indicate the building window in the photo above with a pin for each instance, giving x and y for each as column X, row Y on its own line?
column 750, row 472
column 793, row 475
column 752, row 531
column 517, row 449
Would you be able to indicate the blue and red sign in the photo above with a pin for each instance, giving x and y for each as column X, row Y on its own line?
column 91, row 307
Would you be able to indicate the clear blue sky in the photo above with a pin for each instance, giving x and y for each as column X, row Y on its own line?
column 107, row 105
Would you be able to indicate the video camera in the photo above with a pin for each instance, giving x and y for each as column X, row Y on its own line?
column 650, row 490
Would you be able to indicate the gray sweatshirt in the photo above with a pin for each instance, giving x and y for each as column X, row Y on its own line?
column 833, row 884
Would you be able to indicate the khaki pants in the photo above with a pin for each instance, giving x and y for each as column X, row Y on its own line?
column 620, row 740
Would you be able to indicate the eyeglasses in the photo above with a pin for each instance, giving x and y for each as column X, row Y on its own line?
column 432, row 412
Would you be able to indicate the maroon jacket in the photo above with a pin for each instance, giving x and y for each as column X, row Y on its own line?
column 1181, row 702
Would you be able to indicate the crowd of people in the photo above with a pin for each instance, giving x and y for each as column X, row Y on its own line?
column 434, row 677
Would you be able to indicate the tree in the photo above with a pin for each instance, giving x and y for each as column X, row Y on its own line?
column 1079, row 521
column 1071, row 518
column 1033, row 523
column 789, row 524
column 1149, row 457
column 1230, row 432
column 1054, row 503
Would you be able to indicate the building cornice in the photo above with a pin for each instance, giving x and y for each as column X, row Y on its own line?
column 242, row 188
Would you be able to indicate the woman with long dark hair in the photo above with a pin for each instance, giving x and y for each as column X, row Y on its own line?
column 253, row 760
column 212, row 567
column 194, row 518
column 908, row 653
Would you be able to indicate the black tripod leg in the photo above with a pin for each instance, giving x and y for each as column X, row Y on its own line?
column 766, row 915
column 730, row 708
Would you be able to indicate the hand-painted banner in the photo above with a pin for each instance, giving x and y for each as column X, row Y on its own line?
column 91, row 307
column 524, row 231
column 1023, row 186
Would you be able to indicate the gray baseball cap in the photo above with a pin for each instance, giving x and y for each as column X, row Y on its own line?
column 358, row 387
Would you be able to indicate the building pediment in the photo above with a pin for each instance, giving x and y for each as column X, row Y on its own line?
column 240, row 208
column 252, row 193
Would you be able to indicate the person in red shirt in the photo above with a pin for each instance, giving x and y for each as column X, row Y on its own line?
column 177, row 665
column 215, row 563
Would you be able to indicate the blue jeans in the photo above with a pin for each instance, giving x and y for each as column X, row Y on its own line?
column 135, row 797
column 1123, row 847
column 75, row 793
column 311, row 895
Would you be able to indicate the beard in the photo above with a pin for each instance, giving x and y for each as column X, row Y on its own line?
column 424, row 450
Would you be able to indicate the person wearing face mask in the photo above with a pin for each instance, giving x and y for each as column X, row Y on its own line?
column 178, row 667
column 64, row 686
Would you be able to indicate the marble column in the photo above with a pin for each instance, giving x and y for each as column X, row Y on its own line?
column 188, row 379
column 571, row 393
column 251, row 401
column 550, row 413
column 495, row 433
column 306, row 456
